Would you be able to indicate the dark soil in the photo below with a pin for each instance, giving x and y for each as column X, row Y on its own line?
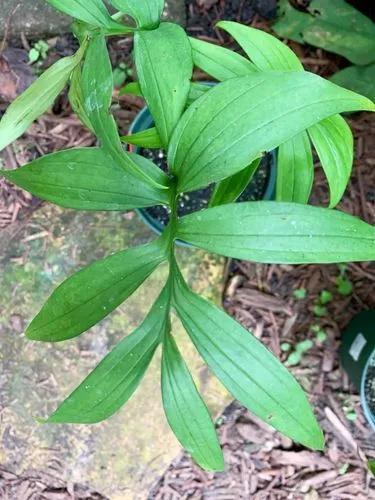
column 198, row 200
column 370, row 385
column 203, row 15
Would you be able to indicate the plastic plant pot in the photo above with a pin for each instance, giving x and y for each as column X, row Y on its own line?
column 357, row 355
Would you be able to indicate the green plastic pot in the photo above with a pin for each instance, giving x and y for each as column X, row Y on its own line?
column 144, row 121
column 357, row 355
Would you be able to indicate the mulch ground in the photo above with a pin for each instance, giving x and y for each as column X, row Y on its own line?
column 261, row 463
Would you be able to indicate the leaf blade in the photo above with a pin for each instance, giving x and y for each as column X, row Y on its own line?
column 87, row 179
column 147, row 14
column 267, row 52
column 218, row 61
column 37, row 99
column 110, row 385
column 248, row 370
column 230, row 189
column 186, row 412
column 235, row 122
column 146, row 139
column 280, row 233
column 334, row 143
column 165, row 86
column 295, row 170
column 91, row 294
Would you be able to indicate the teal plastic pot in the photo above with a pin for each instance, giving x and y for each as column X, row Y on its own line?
column 145, row 121
column 357, row 355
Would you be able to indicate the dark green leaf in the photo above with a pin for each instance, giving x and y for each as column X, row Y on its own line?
column 280, row 233
column 295, row 170
column 230, row 189
column 291, row 22
column 92, row 12
column 147, row 13
column 360, row 79
column 333, row 141
column 235, row 122
column 219, row 62
column 186, row 412
column 146, row 139
column 37, row 99
column 164, row 65
column 115, row 379
column 266, row 51
column 248, row 370
column 97, row 88
column 335, row 26
column 88, row 179
column 90, row 295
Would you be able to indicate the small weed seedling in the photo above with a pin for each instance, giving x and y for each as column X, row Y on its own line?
column 211, row 135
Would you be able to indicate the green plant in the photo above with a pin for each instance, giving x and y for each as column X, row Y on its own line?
column 39, row 51
column 338, row 27
column 265, row 103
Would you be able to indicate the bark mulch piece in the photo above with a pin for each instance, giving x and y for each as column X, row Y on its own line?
column 262, row 464
column 36, row 485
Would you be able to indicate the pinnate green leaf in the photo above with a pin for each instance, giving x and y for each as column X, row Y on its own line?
column 186, row 412
column 235, row 122
column 333, row 141
column 164, row 65
column 247, row 369
column 88, row 179
column 114, row 380
column 91, row 294
column 280, row 233
column 37, row 99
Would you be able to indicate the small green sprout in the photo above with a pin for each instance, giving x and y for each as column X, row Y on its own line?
column 39, row 51
column 295, row 357
column 300, row 293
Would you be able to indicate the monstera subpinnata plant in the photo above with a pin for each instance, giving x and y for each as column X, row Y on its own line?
column 211, row 135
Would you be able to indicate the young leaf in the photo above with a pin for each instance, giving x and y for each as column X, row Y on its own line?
column 230, row 189
column 114, row 380
column 235, row 122
column 164, row 65
column 219, row 62
column 147, row 13
column 295, row 170
column 37, row 99
column 97, row 88
column 90, row 295
column 146, row 139
column 333, row 141
column 247, row 369
column 88, row 179
column 92, row 12
column 267, row 52
column 280, row 233
column 186, row 412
